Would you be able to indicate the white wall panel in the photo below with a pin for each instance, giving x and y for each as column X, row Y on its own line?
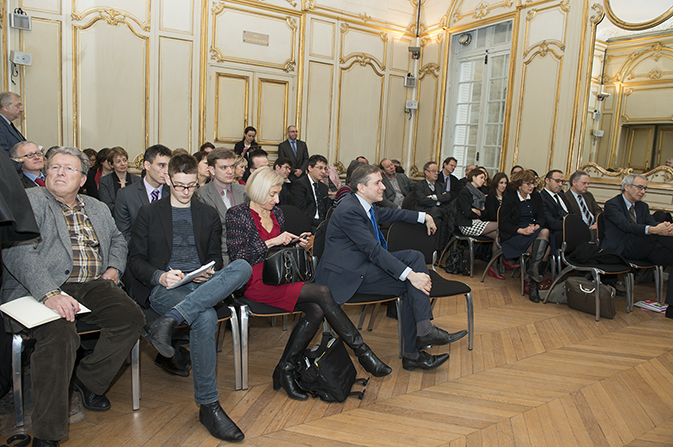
column 42, row 99
column 322, row 41
column 272, row 98
column 317, row 132
column 646, row 104
column 177, row 15
column 355, row 41
column 396, row 119
column 401, row 55
column 549, row 25
column 360, row 105
column 175, row 87
column 110, row 88
column 426, row 118
column 231, row 106
column 52, row 6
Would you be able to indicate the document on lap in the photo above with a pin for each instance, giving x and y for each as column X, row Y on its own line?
column 189, row 277
column 31, row 313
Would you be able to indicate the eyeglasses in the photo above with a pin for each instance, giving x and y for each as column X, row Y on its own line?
column 180, row 188
column 33, row 155
column 55, row 169
column 640, row 187
column 558, row 180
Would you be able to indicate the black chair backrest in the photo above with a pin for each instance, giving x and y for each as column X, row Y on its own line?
column 296, row 222
column 319, row 239
column 410, row 202
column 575, row 231
column 408, row 236
column 600, row 223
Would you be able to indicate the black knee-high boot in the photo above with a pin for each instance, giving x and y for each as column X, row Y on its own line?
column 283, row 375
column 533, row 293
column 345, row 328
column 537, row 253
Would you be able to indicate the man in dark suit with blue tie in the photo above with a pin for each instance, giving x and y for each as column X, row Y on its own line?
column 296, row 150
column 632, row 232
column 355, row 259
column 11, row 109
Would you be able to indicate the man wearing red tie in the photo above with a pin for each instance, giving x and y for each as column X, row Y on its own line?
column 32, row 163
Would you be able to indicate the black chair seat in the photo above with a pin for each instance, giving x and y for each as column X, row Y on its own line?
column 640, row 264
column 445, row 287
column 261, row 309
column 366, row 298
column 459, row 235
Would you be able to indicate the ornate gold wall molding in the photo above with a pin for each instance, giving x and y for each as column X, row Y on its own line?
column 112, row 17
column 655, row 52
column 543, row 48
column 290, row 20
column 429, row 69
column 664, row 171
column 364, row 58
column 533, row 13
column 479, row 12
column 636, row 26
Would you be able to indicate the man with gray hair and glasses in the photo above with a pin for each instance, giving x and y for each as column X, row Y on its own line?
column 78, row 259
column 632, row 232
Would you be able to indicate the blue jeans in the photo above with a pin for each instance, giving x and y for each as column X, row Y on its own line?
column 196, row 303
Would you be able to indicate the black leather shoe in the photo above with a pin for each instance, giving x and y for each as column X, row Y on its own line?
column 213, row 417
column 44, row 443
column 424, row 361
column 159, row 335
column 438, row 337
column 373, row 365
column 179, row 364
column 90, row 401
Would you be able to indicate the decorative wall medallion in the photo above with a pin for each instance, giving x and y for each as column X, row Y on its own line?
column 655, row 73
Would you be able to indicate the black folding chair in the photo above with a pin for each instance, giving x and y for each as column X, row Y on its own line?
column 637, row 264
column 296, row 222
column 407, row 236
column 575, row 231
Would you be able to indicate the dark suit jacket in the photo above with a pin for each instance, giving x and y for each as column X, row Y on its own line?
column 553, row 213
column 589, row 200
column 302, row 197
column 510, row 214
column 351, row 245
column 492, row 205
column 128, row 202
column 465, row 215
column 618, row 224
column 26, row 182
column 406, row 186
column 108, row 185
column 298, row 162
column 423, row 190
column 152, row 242
column 285, row 196
column 9, row 137
column 455, row 183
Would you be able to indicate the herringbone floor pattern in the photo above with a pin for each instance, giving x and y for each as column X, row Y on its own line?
column 539, row 375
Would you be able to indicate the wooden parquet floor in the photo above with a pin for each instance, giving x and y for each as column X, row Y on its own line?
column 539, row 375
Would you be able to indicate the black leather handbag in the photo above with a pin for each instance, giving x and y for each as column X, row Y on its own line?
column 287, row 265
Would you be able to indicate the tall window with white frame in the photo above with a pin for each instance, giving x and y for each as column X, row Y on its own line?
column 476, row 96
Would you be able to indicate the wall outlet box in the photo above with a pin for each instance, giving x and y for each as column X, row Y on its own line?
column 412, row 105
column 598, row 133
column 20, row 58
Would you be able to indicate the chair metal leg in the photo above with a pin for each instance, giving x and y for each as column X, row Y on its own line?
column 219, row 337
column 236, row 345
column 371, row 318
column 245, row 315
column 597, row 292
column 495, row 257
column 470, row 244
column 630, row 283
column 400, row 329
column 659, row 283
column 17, row 345
column 522, row 263
column 553, row 284
column 362, row 317
column 135, row 375
column 273, row 321
column 470, row 320
column 284, row 322
column 552, row 264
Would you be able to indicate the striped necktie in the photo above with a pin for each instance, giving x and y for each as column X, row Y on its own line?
column 588, row 218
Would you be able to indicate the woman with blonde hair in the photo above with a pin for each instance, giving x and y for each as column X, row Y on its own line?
column 252, row 228
column 240, row 165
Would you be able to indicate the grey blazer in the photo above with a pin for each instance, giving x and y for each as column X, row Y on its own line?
column 128, row 202
column 38, row 266
column 406, row 186
column 208, row 194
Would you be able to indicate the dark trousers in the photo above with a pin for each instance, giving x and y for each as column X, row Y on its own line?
column 52, row 363
column 656, row 249
column 415, row 304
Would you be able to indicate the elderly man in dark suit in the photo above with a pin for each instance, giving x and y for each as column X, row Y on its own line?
column 309, row 194
column 397, row 186
column 11, row 109
column 355, row 259
column 32, row 163
column 296, row 150
column 555, row 204
column 78, row 259
column 581, row 201
column 174, row 235
column 222, row 192
column 632, row 232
